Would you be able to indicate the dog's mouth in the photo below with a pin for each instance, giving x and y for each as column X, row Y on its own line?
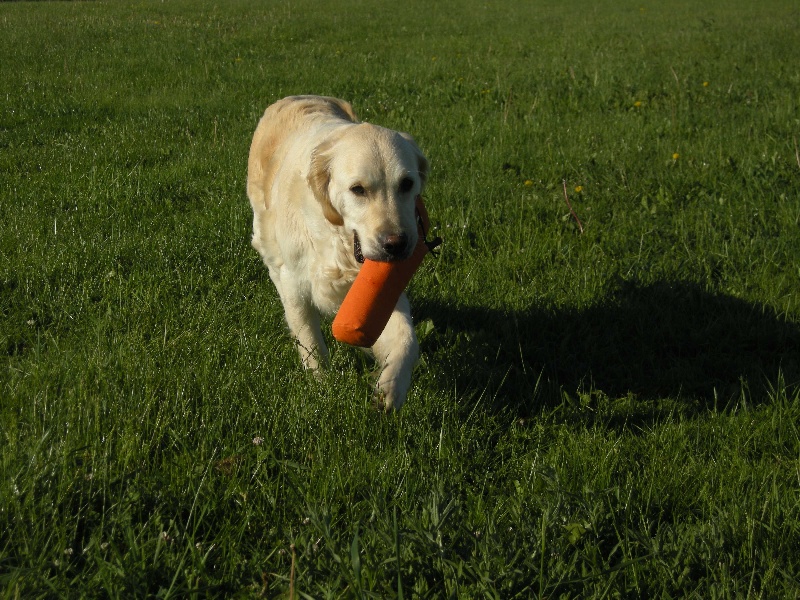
column 359, row 256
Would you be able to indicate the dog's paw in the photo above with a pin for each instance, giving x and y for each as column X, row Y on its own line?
column 389, row 395
column 378, row 401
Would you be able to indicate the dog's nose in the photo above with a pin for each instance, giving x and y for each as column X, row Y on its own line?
column 394, row 244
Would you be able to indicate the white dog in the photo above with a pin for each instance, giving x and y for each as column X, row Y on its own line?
column 327, row 191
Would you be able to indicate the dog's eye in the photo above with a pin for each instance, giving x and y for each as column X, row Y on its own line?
column 406, row 184
column 358, row 190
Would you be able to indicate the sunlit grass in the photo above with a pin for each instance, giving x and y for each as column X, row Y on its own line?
column 607, row 399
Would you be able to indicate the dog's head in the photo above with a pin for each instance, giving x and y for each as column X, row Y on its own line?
column 366, row 179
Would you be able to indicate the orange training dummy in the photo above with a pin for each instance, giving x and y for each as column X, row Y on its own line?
column 369, row 303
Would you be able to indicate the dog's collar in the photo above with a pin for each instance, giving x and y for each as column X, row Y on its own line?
column 423, row 224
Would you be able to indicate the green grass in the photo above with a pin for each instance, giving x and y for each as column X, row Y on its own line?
column 611, row 413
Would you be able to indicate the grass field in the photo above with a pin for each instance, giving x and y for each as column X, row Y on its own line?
column 601, row 410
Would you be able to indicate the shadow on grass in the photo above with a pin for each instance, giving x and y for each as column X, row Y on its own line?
column 659, row 341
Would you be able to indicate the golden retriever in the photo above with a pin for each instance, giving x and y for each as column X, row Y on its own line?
column 328, row 190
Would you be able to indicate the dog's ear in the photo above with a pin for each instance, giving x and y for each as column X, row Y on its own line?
column 319, row 177
column 422, row 162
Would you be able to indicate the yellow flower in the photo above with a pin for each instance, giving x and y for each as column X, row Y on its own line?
column 637, row 104
column 578, row 189
column 528, row 182
column 705, row 84
column 675, row 156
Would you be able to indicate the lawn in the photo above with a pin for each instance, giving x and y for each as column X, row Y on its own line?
column 608, row 398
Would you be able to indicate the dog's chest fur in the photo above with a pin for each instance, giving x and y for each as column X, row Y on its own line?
column 332, row 272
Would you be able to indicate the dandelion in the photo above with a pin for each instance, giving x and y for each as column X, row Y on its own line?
column 528, row 183
column 638, row 103
column 675, row 156
column 578, row 189
column 705, row 84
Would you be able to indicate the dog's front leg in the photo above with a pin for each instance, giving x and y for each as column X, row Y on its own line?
column 304, row 324
column 397, row 352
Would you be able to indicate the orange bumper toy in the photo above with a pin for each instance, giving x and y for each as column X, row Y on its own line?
column 369, row 303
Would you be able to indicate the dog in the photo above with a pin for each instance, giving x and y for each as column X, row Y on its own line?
column 328, row 191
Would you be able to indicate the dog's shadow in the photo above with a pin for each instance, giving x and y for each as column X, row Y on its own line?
column 656, row 341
